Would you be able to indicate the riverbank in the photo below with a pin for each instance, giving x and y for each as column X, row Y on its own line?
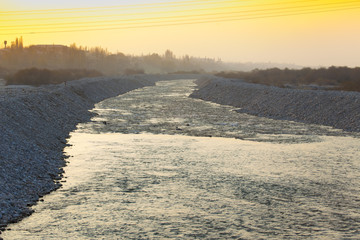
column 34, row 125
column 262, row 179
column 331, row 108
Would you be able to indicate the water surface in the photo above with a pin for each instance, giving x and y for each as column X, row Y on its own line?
column 156, row 164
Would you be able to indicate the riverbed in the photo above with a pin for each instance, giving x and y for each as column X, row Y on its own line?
column 155, row 164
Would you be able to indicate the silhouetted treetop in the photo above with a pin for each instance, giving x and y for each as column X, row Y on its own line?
column 332, row 78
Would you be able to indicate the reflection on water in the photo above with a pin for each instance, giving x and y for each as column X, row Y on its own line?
column 284, row 181
column 166, row 109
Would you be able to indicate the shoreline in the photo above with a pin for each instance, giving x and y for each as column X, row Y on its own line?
column 338, row 109
column 35, row 123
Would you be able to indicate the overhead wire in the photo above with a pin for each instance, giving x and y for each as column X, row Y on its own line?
column 150, row 5
column 122, row 14
column 182, row 23
column 160, row 19
column 123, row 7
column 172, row 21
column 180, row 11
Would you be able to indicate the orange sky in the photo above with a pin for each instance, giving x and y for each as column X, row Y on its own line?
column 309, row 33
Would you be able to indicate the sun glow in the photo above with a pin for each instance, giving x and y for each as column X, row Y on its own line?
column 305, row 32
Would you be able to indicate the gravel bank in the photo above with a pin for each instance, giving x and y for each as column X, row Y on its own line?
column 331, row 108
column 34, row 125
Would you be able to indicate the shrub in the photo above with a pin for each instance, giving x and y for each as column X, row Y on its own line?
column 133, row 71
column 339, row 78
column 37, row 77
column 350, row 86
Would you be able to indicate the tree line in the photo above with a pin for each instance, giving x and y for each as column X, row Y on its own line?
column 54, row 57
column 37, row 77
column 332, row 78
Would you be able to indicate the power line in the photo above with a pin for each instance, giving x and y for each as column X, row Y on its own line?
column 192, row 22
column 150, row 5
column 169, row 18
column 125, row 14
column 132, row 6
column 181, row 11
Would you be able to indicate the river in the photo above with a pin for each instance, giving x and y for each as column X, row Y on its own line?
column 155, row 164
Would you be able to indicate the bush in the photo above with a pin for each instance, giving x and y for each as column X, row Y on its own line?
column 350, row 86
column 37, row 77
column 4, row 72
column 339, row 78
column 189, row 72
column 132, row 71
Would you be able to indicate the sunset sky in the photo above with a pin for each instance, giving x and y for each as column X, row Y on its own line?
column 307, row 33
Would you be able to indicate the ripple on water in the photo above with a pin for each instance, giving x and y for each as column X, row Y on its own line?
column 278, row 180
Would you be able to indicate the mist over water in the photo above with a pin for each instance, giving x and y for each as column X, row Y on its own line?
column 147, row 168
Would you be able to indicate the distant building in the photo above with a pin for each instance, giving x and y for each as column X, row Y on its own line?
column 46, row 49
column 3, row 51
column 49, row 46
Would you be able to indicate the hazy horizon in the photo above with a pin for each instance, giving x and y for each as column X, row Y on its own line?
column 304, row 33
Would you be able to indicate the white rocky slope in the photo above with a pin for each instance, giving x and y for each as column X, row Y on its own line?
column 35, row 122
column 331, row 108
column 34, row 125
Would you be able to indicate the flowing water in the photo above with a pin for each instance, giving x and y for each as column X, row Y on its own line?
column 155, row 164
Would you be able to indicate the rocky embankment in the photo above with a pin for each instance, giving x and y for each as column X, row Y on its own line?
column 331, row 108
column 34, row 125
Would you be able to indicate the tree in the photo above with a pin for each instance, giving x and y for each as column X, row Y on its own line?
column 5, row 42
column 21, row 44
column 169, row 55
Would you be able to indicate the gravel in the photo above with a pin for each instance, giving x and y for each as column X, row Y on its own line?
column 337, row 109
column 34, row 125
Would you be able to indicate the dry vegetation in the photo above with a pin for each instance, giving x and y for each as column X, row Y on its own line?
column 4, row 72
column 52, row 64
column 333, row 78
column 17, row 57
column 37, row 77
